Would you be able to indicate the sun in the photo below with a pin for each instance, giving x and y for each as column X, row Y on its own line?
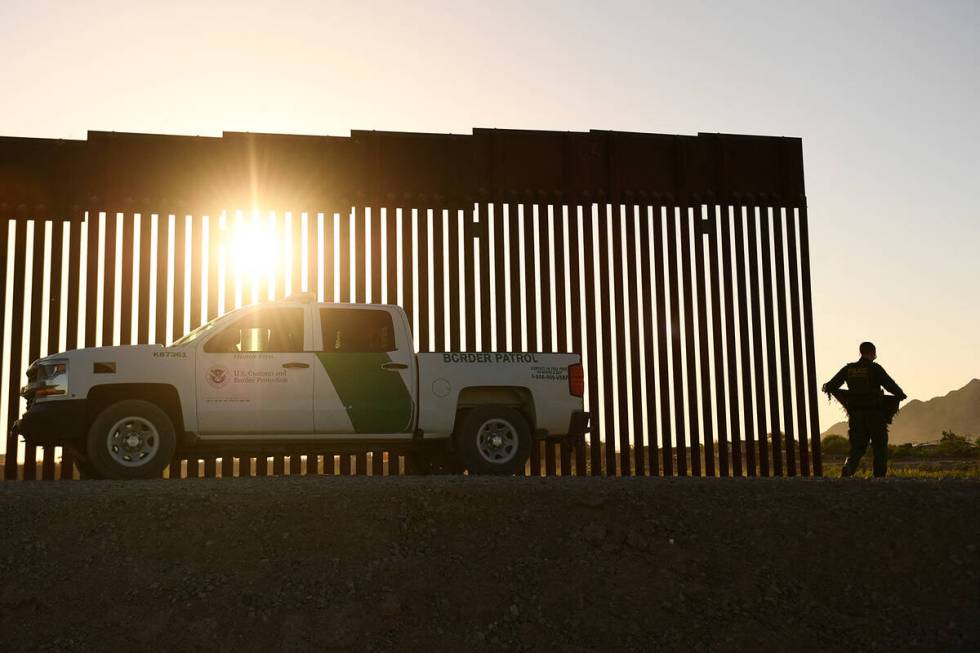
column 253, row 252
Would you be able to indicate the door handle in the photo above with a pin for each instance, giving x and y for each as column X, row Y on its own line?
column 391, row 367
column 295, row 366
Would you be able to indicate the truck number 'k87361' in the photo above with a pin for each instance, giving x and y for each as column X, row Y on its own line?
column 287, row 375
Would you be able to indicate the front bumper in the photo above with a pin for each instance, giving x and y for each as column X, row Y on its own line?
column 54, row 422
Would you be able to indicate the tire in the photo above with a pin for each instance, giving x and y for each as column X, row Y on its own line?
column 494, row 440
column 131, row 439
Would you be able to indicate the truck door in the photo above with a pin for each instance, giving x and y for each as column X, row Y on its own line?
column 255, row 376
column 364, row 375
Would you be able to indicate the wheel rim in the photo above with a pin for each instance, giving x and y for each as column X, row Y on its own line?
column 497, row 440
column 133, row 441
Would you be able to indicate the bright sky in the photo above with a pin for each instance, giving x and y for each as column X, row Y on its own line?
column 884, row 94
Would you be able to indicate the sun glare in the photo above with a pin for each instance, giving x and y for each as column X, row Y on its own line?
column 254, row 254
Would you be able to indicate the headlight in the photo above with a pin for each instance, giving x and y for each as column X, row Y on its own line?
column 48, row 379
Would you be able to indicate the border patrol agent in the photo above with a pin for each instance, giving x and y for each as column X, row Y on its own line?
column 867, row 418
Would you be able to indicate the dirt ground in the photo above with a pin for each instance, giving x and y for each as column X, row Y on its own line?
column 472, row 564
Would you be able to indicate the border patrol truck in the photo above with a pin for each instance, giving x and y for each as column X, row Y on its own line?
column 295, row 376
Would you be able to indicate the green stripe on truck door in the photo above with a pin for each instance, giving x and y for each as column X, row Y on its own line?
column 378, row 399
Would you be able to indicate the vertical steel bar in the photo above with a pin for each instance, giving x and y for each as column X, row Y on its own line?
column 645, row 255
column 14, row 378
column 214, row 269
column 700, row 268
column 377, row 238
column 111, row 222
column 71, row 323
column 811, row 380
column 344, row 254
column 74, row 280
column 717, row 338
column 391, row 240
column 575, row 274
column 516, row 293
column 469, row 277
column 126, row 279
column 545, row 250
column 408, row 267
column 54, row 319
column 530, row 303
column 768, row 301
column 687, row 224
column 675, row 282
column 486, row 317
column 34, row 335
column 92, row 283
column 632, row 309
column 744, row 339
column 162, row 230
column 499, row 277
column 731, row 308
column 180, row 286
column 661, row 281
column 197, row 265
column 798, row 349
column 607, row 292
column 143, row 308
column 4, row 246
column 619, row 223
column 455, row 281
column 360, row 256
column 592, row 308
column 330, row 258
column 561, row 304
column 783, row 329
column 422, row 270
column 227, row 465
column 757, row 355
column 438, row 280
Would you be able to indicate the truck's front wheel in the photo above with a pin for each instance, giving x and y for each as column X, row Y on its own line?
column 494, row 440
column 131, row 439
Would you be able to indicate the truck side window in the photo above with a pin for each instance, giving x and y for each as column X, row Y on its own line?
column 357, row 330
column 273, row 330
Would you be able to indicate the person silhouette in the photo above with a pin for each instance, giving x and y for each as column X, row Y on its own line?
column 867, row 408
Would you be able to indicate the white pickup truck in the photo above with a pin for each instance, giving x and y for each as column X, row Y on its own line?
column 294, row 376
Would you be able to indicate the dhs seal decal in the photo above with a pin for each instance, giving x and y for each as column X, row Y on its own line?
column 217, row 376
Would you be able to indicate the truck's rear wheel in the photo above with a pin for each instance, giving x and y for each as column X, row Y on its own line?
column 131, row 439
column 494, row 440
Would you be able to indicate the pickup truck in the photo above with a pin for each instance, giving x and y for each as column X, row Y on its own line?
column 295, row 376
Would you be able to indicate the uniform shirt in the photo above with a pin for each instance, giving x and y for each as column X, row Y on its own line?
column 864, row 376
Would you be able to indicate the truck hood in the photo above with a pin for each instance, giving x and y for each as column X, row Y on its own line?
column 95, row 352
column 123, row 354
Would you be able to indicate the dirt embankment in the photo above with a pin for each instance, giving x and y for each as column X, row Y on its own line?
column 571, row 564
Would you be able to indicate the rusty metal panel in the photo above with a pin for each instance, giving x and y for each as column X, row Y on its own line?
column 194, row 174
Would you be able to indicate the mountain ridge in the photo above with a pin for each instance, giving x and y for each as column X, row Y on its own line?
column 924, row 421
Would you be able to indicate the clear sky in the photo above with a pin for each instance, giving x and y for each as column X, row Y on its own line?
column 886, row 96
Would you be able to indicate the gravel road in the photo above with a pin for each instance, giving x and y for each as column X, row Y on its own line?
column 471, row 564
